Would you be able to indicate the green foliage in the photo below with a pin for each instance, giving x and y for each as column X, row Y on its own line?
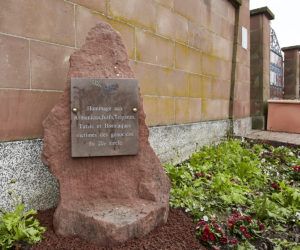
column 19, row 226
column 284, row 244
column 228, row 191
column 245, row 246
column 257, row 180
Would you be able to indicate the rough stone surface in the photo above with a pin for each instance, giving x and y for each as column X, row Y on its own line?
column 20, row 161
column 176, row 143
column 278, row 138
column 96, row 192
column 242, row 126
column 259, row 122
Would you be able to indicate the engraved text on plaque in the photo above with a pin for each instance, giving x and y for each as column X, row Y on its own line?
column 104, row 117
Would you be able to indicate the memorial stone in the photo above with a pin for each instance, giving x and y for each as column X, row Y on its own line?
column 108, row 193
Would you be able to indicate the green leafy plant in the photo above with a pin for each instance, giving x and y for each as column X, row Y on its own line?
column 19, row 225
column 236, row 177
column 284, row 244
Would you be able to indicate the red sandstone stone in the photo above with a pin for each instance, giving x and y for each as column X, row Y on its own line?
column 105, row 200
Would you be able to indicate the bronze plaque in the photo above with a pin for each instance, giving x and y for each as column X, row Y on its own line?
column 104, row 117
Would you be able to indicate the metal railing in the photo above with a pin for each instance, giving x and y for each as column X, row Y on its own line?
column 276, row 68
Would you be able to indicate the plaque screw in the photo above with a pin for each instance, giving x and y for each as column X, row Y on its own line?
column 134, row 110
column 74, row 110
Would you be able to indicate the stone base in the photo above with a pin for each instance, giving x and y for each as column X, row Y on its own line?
column 109, row 222
column 259, row 122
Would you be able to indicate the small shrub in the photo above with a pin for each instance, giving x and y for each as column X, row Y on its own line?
column 19, row 226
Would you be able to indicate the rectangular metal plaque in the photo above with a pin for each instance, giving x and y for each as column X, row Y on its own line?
column 104, row 117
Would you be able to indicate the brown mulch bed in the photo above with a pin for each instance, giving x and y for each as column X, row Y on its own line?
column 178, row 233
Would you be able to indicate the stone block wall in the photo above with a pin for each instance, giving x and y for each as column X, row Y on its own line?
column 260, row 65
column 181, row 52
column 291, row 72
column 241, row 98
column 182, row 55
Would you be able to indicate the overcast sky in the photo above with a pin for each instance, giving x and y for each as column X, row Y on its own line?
column 287, row 19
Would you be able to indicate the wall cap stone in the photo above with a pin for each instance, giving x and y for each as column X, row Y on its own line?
column 236, row 3
column 285, row 101
column 264, row 10
column 295, row 47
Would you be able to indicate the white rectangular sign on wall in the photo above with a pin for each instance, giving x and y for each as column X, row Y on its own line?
column 244, row 38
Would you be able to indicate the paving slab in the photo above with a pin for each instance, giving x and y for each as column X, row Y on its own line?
column 279, row 137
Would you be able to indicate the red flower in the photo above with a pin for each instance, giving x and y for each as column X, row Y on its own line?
column 296, row 169
column 230, row 223
column 259, row 223
column 223, row 240
column 204, row 237
column 231, row 179
column 237, row 182
column 215, row 224
column 243, row 229
column 201, row 223
column 248, row 218
column 233, row 241
column 272, row 155
column 247, row 235
column 206, row 229
column 203, row 175
column 276, row 186
column 198, row 174
column 212, row 237
column 236, row 215
column 262, row 227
